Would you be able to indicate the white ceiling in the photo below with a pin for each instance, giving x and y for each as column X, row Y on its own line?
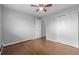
column 26, row 8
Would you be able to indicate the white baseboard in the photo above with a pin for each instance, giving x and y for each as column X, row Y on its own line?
column 64, row 43
column 14, row 43
column 18, row 42
column 61, row 43
column 32, row 39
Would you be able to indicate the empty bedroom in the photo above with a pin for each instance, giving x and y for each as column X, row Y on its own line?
column 39, row 29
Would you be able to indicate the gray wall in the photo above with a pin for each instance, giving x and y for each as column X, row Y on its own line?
column 59, row 27
column 62, row 26
column 0, row 26
column 49, row 27
column 37, row 28
column 17, row 26
column 43, row 28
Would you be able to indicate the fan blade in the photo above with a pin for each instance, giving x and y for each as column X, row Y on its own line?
column 34, row 6
column 48, row 5
column 37, row 10
column 45, row 10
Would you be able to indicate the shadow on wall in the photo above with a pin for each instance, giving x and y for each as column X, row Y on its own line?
column 10, row 37
column 17, row 29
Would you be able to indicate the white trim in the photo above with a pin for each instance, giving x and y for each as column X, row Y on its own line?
column 1, row 48
column 18, row 42
column 35, row 38
column 15, row 42
column 63, row 43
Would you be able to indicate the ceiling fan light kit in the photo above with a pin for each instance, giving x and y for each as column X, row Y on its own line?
column 42, row 7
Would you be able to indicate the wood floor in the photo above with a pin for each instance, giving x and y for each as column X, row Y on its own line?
column 40, row 47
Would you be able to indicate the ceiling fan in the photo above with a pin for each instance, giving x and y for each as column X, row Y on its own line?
column 42, row 7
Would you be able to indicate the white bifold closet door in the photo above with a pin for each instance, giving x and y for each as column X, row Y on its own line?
column 37, row 28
